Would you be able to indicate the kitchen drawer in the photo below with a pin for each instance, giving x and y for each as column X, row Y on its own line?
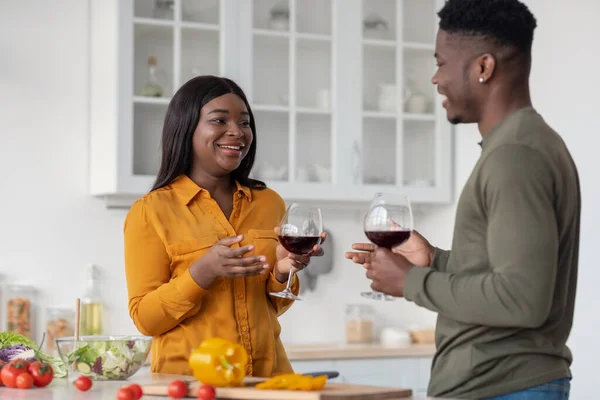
column 398, row 372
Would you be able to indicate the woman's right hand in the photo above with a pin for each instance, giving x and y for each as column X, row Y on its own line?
column 222, row 260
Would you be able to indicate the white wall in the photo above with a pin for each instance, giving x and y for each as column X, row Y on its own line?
column 51, row 228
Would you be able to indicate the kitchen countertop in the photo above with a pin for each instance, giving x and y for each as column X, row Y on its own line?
column 62, row 389
column 346, row 351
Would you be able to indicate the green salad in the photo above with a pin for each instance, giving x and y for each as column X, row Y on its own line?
column 108, row 359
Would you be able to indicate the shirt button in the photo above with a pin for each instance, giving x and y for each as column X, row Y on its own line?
column 237, row 214
column 239, row 195
column 245, row 329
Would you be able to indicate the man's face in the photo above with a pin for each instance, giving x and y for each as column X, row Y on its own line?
column 454, row 77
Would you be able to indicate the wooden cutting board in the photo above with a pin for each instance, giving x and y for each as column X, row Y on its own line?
column 331, row 391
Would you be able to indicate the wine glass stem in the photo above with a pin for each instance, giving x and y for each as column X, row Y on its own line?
column 289, row 281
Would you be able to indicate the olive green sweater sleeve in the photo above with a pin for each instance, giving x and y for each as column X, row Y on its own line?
column 515, row 189
column 440, row 259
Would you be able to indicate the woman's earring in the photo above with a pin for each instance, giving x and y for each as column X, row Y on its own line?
column 481, row 79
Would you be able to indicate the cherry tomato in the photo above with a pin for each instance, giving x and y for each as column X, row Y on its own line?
column 31, row 366
column 83, row 383
column 137, row 391
column 125, row 393
column 10, row 372
column 177, row 389
column 42, row 373
column 2, row 364
column 206, row 392
column 24, row 381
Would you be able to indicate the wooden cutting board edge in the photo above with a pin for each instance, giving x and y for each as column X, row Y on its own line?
column 332, row 391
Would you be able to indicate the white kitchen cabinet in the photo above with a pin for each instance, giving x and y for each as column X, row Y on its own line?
column 343, row 109
column 408, row 372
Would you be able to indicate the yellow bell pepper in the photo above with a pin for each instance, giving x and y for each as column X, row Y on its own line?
column 219, row 362
column 294, row 382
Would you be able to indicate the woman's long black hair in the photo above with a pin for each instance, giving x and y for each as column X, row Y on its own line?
column 181, row 121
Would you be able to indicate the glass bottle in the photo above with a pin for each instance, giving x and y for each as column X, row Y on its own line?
column 152, row 88
column 92, row 308
column 19, row 309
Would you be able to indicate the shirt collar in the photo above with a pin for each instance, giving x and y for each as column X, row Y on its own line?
column 244, row 190
column 187, row 189
column 488, row 138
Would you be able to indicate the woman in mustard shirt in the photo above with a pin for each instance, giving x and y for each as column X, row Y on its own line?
column 201, row 254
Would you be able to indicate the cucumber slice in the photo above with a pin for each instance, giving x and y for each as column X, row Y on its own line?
column 84, row 368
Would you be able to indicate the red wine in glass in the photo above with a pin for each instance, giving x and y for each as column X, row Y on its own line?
column 388, row 239
column 300, row 230
column 299, row 244
column 388, row 223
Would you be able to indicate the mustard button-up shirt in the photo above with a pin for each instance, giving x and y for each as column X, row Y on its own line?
column 169, row 229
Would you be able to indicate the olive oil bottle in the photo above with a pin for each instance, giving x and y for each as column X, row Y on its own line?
column 92, row 308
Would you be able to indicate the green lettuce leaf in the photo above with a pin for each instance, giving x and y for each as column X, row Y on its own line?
column 8, row 339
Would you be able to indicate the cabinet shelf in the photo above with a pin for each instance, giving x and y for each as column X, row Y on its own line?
column 419, row 46
column 404, row 116
column 150, row 22
column 418, row 117
column 153, row 22
column 379, row 114
column 292, row 35
column 270, row 107
column 200, row 26
column 271, row 33
column 151, row 100
column 380, row 43
column 313, row 36
column 311, row 110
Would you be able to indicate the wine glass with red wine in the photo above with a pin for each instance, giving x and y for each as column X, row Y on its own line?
column 300, row 230
column 388, row 223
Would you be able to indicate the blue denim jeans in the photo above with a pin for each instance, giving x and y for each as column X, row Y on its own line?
column 555, row 390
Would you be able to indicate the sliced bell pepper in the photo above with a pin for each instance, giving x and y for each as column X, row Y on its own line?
column 219, row 362
column 294, row 382
column 278, row 382
column 318, row 382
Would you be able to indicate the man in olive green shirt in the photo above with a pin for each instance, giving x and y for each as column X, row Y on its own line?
column 505, row 293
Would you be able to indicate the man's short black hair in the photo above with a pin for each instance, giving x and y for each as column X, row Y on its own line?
column 507, row 22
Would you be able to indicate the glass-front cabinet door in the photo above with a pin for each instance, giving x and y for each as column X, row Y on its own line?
column 173, row 41
column 343, row 97
column 288, row 48
column 405, row 136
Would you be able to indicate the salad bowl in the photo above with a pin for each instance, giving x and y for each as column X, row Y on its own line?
column 104, row 357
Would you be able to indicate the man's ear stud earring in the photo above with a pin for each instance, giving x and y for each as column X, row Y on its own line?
column 481, row 79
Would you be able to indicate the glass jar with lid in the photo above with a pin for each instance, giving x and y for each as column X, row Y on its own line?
column 20, row 309
column 359, row 323
column 59, row 323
